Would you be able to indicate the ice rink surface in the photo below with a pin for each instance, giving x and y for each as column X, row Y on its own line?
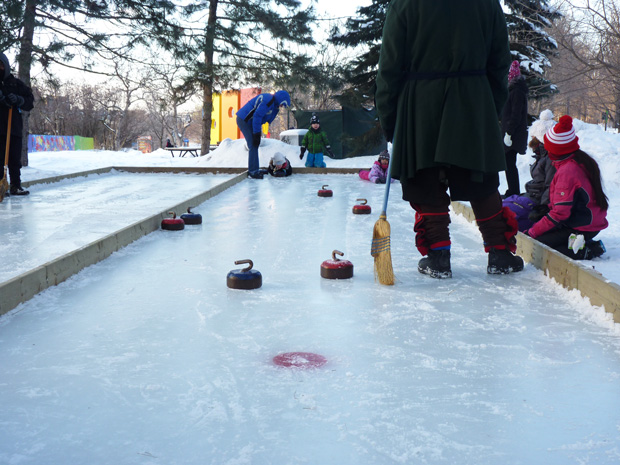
column 148, row 357
column 61, row 217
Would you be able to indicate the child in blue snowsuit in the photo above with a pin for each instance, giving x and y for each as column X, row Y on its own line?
column 314, row 141
column 250, row 118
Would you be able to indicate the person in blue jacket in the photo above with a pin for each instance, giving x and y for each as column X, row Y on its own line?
column 250, row 118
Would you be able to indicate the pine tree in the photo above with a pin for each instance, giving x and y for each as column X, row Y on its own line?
column 246, row 41
column 57, row 31
column 527, row 21
column 364, row 30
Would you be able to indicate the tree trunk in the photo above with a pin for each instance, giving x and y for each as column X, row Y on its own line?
column 207, row 81
column 24, row 61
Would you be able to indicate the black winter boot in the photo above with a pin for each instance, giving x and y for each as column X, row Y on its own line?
column 502, row 261
column 436, row 264
column 593, row 249
column 14, row 190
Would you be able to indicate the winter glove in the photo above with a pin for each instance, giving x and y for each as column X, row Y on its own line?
column 301, row 154
column 329, row 150
column 256, row 139
column 507, row 140
column 380, row 181
column 15, row 100
column 537, row 213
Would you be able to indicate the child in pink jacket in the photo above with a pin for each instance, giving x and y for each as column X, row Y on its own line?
column 577, row 204
column 378, row 172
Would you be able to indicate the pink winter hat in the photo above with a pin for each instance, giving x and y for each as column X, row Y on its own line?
column 561, row 139
column 514, row 72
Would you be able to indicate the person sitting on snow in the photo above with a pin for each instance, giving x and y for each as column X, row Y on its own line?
column 378, row 171
column 577, row 203
column 315, row 141
column 279, row 166
column 534, row 203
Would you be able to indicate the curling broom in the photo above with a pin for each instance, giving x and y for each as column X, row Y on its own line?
column 380, row 248
column 4, row 184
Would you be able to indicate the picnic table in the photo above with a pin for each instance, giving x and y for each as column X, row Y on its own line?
column 182, row 151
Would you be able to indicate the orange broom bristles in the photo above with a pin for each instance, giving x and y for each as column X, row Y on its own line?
column 380, row 250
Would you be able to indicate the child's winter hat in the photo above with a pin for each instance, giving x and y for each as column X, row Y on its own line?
column 315, row 119
column 514, row 72
column 539, row 128
column 278, row 158
column 385, row 155
column 561, row 139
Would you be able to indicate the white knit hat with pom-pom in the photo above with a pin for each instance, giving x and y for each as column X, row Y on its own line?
column 539, row 128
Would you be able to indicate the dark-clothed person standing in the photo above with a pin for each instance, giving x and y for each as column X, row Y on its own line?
column 441, row 85
column 514, row 126
column 18, row 96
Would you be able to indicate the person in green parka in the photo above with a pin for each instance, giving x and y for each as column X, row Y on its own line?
column 441, row 86
column 315, row 141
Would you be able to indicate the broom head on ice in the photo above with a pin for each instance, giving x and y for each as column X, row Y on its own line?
column 380, row 249
column 4, row 186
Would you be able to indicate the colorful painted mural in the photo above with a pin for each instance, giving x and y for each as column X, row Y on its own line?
column 45, row 143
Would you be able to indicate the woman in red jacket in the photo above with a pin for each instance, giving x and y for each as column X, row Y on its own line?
column 577, row 204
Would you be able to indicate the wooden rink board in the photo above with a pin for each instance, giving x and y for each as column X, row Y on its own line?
column 570, row 274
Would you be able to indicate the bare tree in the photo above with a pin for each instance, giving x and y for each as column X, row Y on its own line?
column 589, row 64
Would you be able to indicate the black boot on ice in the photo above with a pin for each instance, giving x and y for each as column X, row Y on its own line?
column 436, row 264
column 502, row 261
column 14, row 190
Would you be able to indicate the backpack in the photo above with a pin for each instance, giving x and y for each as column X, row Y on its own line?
column 521, row 206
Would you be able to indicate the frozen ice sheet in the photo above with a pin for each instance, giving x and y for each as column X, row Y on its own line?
column 148, row 358
column 58, row 218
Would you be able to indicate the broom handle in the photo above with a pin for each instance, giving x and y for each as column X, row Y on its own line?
column 8, row 138
column 388, row 181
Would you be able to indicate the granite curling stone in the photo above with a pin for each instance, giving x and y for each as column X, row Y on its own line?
column 362, row 208
column 324, row 192
column 191, row 218
column 246, row 278
column 172, row 224
column 336, row 268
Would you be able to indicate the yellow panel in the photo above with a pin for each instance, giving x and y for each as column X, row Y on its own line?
column 216, row 119
column 230, row 105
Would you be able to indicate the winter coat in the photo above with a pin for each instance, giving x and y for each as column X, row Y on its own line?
column 514, row 116
column 12, row 85
column 377, row 173
column 263, row 109
column 571, row 202
column 286, row 169
column 542, row 172
column 442, row 83
column 315, row 140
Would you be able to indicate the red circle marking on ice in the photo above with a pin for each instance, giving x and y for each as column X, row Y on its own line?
column 300, row 360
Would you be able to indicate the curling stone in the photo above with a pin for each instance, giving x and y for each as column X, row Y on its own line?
column 323, row 192
column 360, row 209
column 336, row 268
column 247, row 278
column 191, row 218
column 172, row 224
